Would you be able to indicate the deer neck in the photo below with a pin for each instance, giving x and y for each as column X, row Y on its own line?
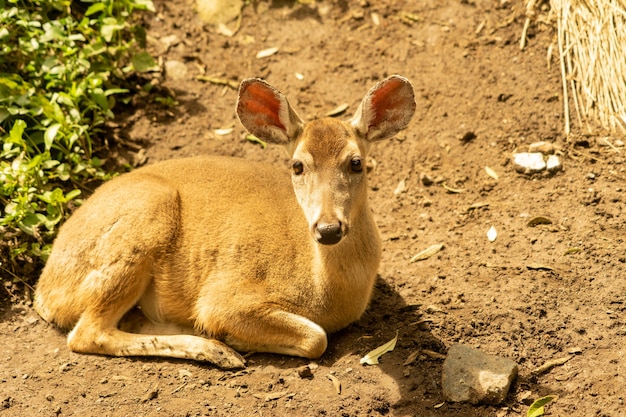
column 356, row 257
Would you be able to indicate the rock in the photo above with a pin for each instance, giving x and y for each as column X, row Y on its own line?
column 184, row 373
column 170, row 40
column 304, row 372
column 542, row 147
column 553, row 163
column 166, row 42
column 539, row 158
column 175, row 70
column 7, row 402
column 32, row 320
column 470, row 375
column 426, row 179
column 468, row 136
column 67, row 366
column 529, row 163
column 151, row 394
column 218, row 11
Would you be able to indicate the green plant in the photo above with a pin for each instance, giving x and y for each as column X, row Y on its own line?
column 536, row 409
column 63, row 67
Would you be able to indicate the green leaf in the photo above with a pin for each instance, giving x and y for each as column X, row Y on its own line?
column 72, row 195
column 15, row 136
column 52, row 33
column 4, row 114
column 111, row 91
column 109, row 30
column 50, row 135
column 143, row 62
column 31, row 222
column 144, row 5
column 96, row 162
column 63, row 171
column 254, row 139
column 536, row 409
column 95, row 8
column 140, row 36
column 52, row 197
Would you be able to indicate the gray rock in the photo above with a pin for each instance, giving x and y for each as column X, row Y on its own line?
column 533, row 162
column 529, row 162
column 553, row 163
column 470, row 375
column 175, row 70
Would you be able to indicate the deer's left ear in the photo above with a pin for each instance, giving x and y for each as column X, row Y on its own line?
column 386, row 109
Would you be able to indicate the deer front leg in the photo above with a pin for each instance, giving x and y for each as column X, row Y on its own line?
column 277, row 331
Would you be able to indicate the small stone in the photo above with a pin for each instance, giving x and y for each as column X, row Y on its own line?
column 7, row 403
column 32, row 320
column 151, row 394
column 168, row 41
column 470, row 375
column 184, row 373
column 175, row 70
column 528, row 163
column 541, row 147
column 67, row 366
column 553, row 163
column 426, row 179
column 304, row 372
column 432, row 309
column 468, row 136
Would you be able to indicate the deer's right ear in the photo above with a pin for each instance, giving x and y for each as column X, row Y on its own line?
column 265, row 112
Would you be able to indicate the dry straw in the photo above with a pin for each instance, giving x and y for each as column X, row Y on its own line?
column 592, row 51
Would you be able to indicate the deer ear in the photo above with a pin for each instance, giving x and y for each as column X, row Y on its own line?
column 265, row 112
column 386, row 109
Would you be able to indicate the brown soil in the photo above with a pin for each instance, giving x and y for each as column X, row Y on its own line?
column 534, row 295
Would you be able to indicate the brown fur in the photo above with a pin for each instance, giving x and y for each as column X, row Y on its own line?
column 226, row 250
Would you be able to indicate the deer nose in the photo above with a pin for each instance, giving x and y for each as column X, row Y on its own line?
column 328, row 234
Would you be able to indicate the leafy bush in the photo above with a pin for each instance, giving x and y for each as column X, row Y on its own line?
column 63, row 66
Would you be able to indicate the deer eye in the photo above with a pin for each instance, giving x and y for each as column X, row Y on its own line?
column 356, row 165
column 297, row 167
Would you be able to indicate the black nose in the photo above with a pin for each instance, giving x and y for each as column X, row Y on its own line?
column 328, row 234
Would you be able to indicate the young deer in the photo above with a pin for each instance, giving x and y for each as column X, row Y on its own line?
column 238, row 255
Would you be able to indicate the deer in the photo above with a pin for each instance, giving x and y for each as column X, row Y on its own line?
column 217, row 256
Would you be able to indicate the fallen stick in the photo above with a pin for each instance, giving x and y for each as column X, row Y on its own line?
column 551, row 364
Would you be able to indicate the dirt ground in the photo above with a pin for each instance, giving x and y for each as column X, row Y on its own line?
column 535, row 294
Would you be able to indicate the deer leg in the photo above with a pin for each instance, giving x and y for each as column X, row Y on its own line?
column 277, row 331
column 97, row 329
column 92, row 335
